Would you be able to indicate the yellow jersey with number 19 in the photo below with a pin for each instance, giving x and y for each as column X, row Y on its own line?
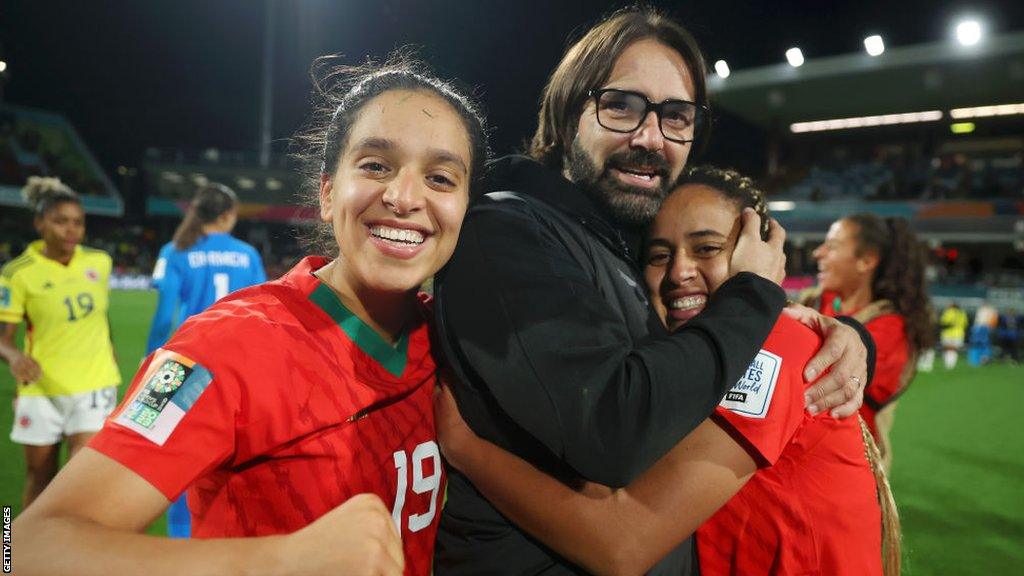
column 65, row 308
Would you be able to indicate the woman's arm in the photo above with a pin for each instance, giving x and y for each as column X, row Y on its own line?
column 168, row 281
column 23, row 367
column 91, row 518
column 624, row 531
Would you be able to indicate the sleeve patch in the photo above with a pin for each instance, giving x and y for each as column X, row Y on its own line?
column 173, row 383
column 752, row 394
column 5, row 297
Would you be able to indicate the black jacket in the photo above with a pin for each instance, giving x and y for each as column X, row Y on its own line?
column 543, row 316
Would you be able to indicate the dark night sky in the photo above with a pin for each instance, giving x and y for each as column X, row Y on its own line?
column 186, row 73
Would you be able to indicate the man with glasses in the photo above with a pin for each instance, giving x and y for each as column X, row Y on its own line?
column 542, row 313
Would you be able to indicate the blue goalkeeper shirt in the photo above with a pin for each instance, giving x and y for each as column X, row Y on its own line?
column 191, row 280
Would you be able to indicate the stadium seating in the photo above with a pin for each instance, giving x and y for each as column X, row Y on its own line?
column 36, row 143
column 949, row 176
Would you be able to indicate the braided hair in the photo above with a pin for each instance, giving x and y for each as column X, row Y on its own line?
column 736, row 187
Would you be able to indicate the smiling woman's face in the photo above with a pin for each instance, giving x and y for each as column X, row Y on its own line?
column 398, row 198
column 688, row 250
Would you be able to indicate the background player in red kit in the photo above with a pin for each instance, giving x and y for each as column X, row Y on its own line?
column 872, row 268
column 299, row 411
column 798, row 491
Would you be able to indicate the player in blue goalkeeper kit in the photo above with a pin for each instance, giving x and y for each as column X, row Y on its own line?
column 202, row 264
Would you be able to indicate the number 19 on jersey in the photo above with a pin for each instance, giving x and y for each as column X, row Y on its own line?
column 420, row 484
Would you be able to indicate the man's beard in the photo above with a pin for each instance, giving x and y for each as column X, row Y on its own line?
column 631, row 206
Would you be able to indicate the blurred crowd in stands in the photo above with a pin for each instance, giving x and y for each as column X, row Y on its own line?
column 40, row 145
column 904, row 173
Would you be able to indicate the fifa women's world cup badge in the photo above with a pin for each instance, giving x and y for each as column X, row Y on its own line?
column 172, row 384
column 168, row 379
column 157, row 393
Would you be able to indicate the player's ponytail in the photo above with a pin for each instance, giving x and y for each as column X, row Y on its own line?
column 210, row 202
column 891, row 543
column 899, row 277
column 42, row 194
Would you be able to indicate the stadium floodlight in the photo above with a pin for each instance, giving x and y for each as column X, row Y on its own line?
column 986, row 111
column 781, row 205
column 795, row 57
column 968, row 32
column 722, row 68
column 874, row 45
column 866, row 121
column 3, row 66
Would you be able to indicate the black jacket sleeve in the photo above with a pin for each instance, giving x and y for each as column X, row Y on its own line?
column 559, row 361
column 868, row 341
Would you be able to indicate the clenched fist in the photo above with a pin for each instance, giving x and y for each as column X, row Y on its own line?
column 358, row 538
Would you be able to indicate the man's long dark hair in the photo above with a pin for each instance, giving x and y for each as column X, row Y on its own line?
column 588, row 63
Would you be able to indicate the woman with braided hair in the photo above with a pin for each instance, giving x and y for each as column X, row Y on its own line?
column 872, row 268
column 767, row 487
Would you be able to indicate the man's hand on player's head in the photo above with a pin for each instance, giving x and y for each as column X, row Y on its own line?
column 358, row 537
column 764, row 258
column 843, row 361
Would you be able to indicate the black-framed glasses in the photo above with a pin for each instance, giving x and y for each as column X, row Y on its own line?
column 624, row 111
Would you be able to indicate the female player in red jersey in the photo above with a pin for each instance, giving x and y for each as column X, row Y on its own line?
column 297, row 413
column 872, row 268
column 794, row 493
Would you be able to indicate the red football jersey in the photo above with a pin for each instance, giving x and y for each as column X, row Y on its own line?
column 811, row 508
column 892, row 352
column 276, row 405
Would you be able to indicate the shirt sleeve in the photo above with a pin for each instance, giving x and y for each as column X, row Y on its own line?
column 12, row 300
column 108, row 269
column 525, row 318
column 765, row 407
column 176, row 423
column 892, row 357
column 167, row 279
column 867, row 340
column 764, row 434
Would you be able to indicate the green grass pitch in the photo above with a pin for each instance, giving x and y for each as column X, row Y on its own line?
column 958, row 471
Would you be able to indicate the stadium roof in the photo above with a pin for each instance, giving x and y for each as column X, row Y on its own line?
column 934, row 76
column 38, row 143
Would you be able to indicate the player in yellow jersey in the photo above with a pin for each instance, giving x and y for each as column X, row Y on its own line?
column 66, row 377
column 953, row 323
